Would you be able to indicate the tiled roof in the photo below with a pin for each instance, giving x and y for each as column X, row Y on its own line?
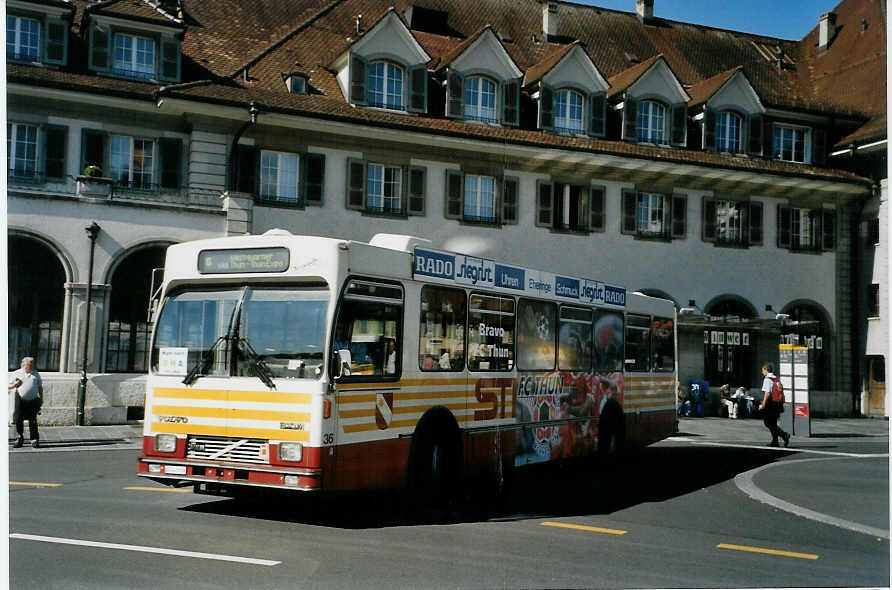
column 703, row 91
column 535, row 73
column 135, row 10
column 270, row 37
column 459, row 49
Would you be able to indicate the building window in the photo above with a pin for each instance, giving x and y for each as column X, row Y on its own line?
column 480, row 100
column 134, row 56
column 21, row 150
column 651, row 122
column 790, row 143
column 570, row 207
column 727, row 135
column 480, row 198
column 807, row 230
column 278, row 176
column 650, row 214
column 384, row 188
column 568, row 111
column 730, row 221
column 733, row 223
column 132, row 161
column 22, row 37
column 873, row 301
column 385, row 85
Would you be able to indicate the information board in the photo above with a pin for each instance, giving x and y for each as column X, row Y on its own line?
column 243, row 260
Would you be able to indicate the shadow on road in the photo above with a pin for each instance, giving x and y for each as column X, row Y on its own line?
column 655, row 474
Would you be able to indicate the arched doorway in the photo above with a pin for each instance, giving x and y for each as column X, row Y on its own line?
column 808, row 326
column 728, row 350
column 36, row 303
column 129, row 332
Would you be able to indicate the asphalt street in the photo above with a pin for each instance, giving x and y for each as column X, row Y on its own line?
column 711, row 507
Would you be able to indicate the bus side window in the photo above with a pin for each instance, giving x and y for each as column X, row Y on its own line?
column 536, row 335
column 663, row 345
column 369, row 325
column 441, row 346
column 575, row 339
column 490, row 333
column 637, row 343
column 609, row 344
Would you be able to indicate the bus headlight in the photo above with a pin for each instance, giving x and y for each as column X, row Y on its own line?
column 165, row 443
column 291, row 451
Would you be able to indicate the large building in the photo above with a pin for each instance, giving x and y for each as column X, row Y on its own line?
column 741, row 176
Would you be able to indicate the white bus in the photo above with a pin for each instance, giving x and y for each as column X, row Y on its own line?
column 318, row 364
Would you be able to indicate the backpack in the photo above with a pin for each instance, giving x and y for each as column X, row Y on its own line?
column 777, row 391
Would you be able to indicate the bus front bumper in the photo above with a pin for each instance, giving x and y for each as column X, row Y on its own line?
column 217, row 475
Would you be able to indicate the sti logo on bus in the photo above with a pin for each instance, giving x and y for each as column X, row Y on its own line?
column 434, row 264
column 566, row 287
column 474, row 271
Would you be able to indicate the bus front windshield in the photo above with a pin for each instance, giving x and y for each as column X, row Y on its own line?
column 210, row 332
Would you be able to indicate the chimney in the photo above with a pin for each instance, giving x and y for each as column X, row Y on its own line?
column 826, row 30
column 645, row 9
column 549, row 19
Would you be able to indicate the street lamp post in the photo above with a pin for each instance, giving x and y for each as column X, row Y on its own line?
column 92, row 233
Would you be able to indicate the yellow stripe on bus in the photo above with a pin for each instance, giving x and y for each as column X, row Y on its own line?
column 403, row 383
column 231, row 413
column 264, row 433
column 273, row 397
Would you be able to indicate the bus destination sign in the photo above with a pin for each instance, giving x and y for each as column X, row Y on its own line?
column 243, row 260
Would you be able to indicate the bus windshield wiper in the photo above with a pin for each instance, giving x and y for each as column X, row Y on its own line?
column 258, row 366
column 201, row 365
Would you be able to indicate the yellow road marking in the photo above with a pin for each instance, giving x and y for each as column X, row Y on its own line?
column 580, row 527
column 767, row 551
column 35, row 484
column 151, row 489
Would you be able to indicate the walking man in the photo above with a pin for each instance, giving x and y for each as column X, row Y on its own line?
column 28, row 399
column 770, row 408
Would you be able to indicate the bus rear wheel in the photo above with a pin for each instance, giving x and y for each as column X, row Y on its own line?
column 611, row 433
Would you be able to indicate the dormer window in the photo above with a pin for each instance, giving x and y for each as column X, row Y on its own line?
column 297, row 84
column 568, row 111
column 791, row 143
column 728, row 132
column 651, row 122
column 134, row 56
column 385, row 85
column 22, row 38
column 480, row 99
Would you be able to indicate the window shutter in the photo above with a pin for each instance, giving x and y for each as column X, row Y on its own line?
column 358, row 68
column 630, row 201
column 93, row 149
column 755, row 230
column 544, row 204
column 755, row 135
column 679, row 216
column 509, row 200
column 784, row 226
column 597, row 114
column 511, row 103
column 546, row 107
column 709, row 130
column 54, row 147
column 630, row 119
column 767, row 139
column 171, row 151
column 679, row 124
column 596, row 208
column 418, row 85
column 313, row 175
column 829, row 230
column 417, row 189
column 247, row 165
column 455, row 98
column 170, row 60
column 819, row 147
column 355, row 184
column 100, row 48
column 55, row 42
column 708, row 220
column 454, row 192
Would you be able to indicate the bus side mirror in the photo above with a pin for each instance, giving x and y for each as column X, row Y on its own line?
column 343, row 362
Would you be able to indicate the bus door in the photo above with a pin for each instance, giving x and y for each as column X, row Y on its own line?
column 368, row 337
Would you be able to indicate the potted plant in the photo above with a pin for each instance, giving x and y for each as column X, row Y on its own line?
column 93, row 184
column 93, row 171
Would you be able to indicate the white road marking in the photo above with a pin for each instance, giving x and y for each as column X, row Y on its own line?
column 744, row 482
column 161, row 550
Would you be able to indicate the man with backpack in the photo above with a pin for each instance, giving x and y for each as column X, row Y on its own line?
column 772, row 405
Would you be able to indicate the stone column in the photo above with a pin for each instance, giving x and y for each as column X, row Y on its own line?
column 76, row 304
column 239, row 209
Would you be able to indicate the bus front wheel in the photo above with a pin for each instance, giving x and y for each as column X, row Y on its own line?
column 434, row 465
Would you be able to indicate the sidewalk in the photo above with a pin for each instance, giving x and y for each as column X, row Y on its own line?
column 73, row 436
column 727, row 429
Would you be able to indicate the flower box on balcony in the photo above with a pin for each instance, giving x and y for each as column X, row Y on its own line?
column 94, row 187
